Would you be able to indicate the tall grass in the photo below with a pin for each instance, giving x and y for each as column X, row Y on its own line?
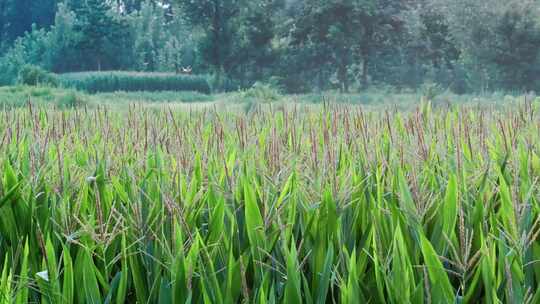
column 93, row 82
column 21, row 95
column 286, row 205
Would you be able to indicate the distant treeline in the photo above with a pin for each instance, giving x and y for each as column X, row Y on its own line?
column 296, row 45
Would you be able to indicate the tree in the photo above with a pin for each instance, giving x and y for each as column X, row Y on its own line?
column 253, row 55
column 43, row 12
column 338, row 33
column 129, row 6
column 100, row 32
column 516, row 46
column 27, row 49
column 162, row 39
column 18, row 16
column 326, row 32
column 178, row 49
column 62, row 41
column 217, row 19
column 429, row 51
column 149, row 33
column 498, row 40
column 3, row 25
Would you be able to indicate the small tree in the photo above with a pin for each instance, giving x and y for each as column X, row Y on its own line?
column 62, row 39
column 98, row 29
column 216, row 18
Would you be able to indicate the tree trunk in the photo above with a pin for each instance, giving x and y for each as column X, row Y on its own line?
column 320, row 80
column 220, row 72
column 364, row 78
column 343, row 78
column 365, row 55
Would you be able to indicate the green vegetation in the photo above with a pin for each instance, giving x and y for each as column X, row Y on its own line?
column 36, row 76
column 260, row 92
column 153, row 97
column 20, row 96
column 290, row 204
column 93, row 82
column 375, row 98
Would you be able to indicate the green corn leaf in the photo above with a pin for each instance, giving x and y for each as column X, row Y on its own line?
column 441, row 289
column 407, row 202
column 90, row 290
column 401, row 282
column 9, row 195
column 5, row 282
column 138, row 277
column 216, row 221
column 68, row 283
column 286, row 190
column 255, row 229
column 324, row 281
column 293, row 295
column 448, row 217
column 24, row 281
column 124, row 273
column 506, row 212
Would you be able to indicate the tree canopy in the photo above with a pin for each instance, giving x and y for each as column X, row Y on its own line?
column 298, row 45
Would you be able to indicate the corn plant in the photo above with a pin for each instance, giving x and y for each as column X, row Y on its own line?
column 94, row 82
column 285, row 204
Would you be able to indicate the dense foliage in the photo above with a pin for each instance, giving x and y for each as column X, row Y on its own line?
column 298, row 45
column 282, row 205
column 129, row 81
column 36, row 76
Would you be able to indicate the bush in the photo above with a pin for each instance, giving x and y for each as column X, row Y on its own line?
column 33, row 75
column 20, row 95
column 223, row 83
column 262, row 92
column 70, row 100
column 10, row 71
column 430, row 90
column 94, row 82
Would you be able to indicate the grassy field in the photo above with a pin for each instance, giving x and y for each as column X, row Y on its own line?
column 275, row 203
column 376, row 99
column 20, row 96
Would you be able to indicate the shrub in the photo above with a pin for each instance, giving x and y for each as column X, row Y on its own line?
column 40, row 92
column 9, row 73
column 34, row 76
column 21, row 95
column 430, row 90
column 94, row 82
column 262, row 92
column 223, row 83
column 70, row 100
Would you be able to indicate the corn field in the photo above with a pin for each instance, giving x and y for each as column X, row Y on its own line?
column 114, row 81
column 284, row 204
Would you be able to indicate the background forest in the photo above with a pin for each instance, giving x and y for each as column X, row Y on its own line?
column 465, row 46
